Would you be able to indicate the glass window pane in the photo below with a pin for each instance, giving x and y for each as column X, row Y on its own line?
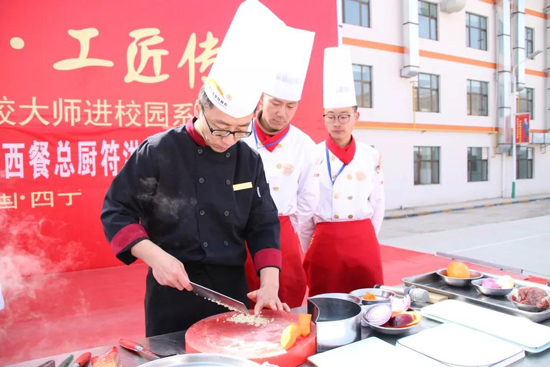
column 468, row 105
column 424, row 102
column 435, row 173
column 484, row 171
column 476, row 104
column 435, row 154
column 530, row 153
column 529, row 169
column 425, row 173
column 475, row 86
column 484, row 87
column 433, row 29
column 365, row 15
column 366, row 73
column 358, row 93
column 351, row 12
column 424, row 80
column 522, row 169
column 483, row 40
column 423, row 27
column 356, row 72
column 475, row 37
column 435, row 101
column 435, row 82
column 423, row 8
column 474, row 21
column 425, row 153
column 468, row 36
column 433, row 10
column 482, row 22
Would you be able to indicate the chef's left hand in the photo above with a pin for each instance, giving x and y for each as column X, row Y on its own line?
column 267, row 295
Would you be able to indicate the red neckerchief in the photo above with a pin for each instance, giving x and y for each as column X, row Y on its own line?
column 267, row 139
column 193, row 133
column 345, row 155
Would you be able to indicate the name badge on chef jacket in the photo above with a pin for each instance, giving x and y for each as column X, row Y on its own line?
column 242, row 186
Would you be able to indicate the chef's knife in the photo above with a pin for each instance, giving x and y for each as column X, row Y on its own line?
column 67, row 361
column 138, row 348
column 50, row 363
column 82, row 360
column 219, row 298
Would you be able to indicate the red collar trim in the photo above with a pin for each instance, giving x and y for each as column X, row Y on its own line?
column 345, row 155
column 268, row 140
column 193, row 133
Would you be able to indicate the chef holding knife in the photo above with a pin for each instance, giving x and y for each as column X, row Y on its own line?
column 189, row 198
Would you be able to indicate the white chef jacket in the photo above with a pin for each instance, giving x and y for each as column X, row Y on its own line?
column 357, row 193
column 290, row 171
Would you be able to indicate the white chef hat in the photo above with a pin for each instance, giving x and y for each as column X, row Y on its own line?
column 241, row 70
column 290, row 76
column 338, row 83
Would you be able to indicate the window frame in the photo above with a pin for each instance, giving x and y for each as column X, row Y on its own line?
column 363, row 82
column 417, row 88
column 469, row 28
column 418, row 165
column 484, row 163
column 483, row 97
column 429, row 17
column 366, row 3
column 529, row 43
column 529, row 100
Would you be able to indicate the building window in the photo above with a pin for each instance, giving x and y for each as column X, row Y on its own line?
column 477, row 164
column 526, row 104
column 427, row 93
column 426, row 165
column 476, row 31
column 427, row 20
column 524, row 160
column 356, row 12
column 529, row 41
column 363, row 85
column 478, row 99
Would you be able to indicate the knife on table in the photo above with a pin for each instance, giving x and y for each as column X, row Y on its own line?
column 82, row 360
column 50, row 363
column 139, row 349
column 67, row 361
column 219, row 298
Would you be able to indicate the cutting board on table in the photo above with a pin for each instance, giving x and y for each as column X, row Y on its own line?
column 217, row 334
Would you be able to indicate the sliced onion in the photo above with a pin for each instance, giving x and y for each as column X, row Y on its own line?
column 400, row 304
column 379, row 314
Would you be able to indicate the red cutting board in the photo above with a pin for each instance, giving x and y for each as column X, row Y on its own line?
column 259, row 344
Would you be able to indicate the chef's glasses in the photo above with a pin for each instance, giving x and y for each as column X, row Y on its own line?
column 238, row 134
column 331, row 119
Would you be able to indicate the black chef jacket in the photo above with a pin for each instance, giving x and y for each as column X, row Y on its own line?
column 199, row 206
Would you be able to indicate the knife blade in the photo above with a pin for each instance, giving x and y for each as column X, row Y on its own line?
column 138, row 348
column 50, row 363
column 218, row 298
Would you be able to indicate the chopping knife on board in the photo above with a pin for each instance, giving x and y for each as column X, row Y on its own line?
column 82, row 360
column 50, row 363
column 67, row 361
column 219, row 298
column 141, row 350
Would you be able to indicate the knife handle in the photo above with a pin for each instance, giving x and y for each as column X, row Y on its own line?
column 130, row 344
column 82, row 359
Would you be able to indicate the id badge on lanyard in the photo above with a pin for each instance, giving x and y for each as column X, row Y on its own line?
column 330, row 170
column 270, row 144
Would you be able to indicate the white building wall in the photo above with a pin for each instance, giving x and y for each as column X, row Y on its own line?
column 392, row 103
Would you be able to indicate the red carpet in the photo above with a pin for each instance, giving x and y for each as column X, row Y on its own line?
column 62, row 313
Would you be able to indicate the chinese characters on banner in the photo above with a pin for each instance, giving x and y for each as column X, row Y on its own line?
column 80, row 92
column 522, row 128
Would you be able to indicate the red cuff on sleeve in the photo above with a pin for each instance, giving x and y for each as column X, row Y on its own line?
column 269, row 257
column 127, row 235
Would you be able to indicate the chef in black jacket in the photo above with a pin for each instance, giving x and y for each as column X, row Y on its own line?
column 189, row 200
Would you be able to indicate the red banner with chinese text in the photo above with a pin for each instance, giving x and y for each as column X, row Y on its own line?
column 82, row 83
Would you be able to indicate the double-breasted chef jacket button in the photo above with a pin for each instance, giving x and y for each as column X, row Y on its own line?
column 350, row 216
column 336, row 196
column 350, row 197
column 193, row 201
column 227, row 155
column 226, row 243
column 205, row 244
column 201, row 180
column 226, row 213
column 336, row 216
column 279, row 165
column 228, row 182
column 276, row 188
column 350, row 177
column 202, row 212
column 199, row 150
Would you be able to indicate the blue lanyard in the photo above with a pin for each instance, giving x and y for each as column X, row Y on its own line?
column 330, row 170
column 270, row 144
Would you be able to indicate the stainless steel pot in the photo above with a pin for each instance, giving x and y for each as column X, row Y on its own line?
column 338, row 320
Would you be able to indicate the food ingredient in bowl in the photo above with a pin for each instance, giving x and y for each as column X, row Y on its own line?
column 404, row 319
column 505, row 282
column 369, row 296
column 489, row 283
column 532, row 296
column 378, row 314
column 458, row 269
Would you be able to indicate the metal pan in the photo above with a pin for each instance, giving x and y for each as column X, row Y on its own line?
column 201, row 359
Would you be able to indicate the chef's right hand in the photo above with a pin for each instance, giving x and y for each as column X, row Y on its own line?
column 167, row 270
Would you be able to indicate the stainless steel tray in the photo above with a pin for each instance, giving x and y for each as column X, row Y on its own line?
column 432, row 282
column 201, row 359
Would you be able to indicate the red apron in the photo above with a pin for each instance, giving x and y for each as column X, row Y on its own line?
column 292, row 280
column 342, row 257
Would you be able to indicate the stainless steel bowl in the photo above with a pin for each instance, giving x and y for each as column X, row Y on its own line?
column 382, row 296
column 394, row 330
column 458, row 282
column 494, row 292
column 345, row 296
column 524, row 307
